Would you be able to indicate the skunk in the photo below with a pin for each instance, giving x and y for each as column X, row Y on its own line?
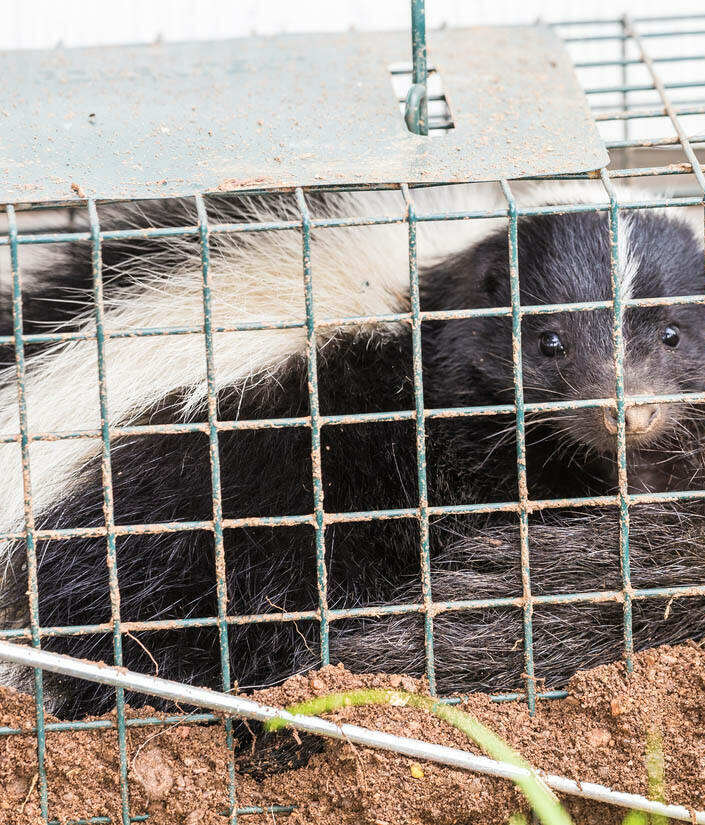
column 160, row 381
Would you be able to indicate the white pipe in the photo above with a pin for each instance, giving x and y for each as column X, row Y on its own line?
column 238, row 706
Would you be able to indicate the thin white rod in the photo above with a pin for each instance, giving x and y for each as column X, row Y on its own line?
column 415, row 748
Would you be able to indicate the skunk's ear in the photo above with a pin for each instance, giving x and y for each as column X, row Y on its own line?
column 489, row 270
column 475, row 277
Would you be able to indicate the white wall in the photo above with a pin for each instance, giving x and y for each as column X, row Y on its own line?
column 44, row 23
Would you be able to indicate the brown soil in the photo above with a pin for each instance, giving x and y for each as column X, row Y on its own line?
column 178, row 774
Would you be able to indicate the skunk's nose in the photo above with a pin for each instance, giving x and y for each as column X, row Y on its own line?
column 637, row 420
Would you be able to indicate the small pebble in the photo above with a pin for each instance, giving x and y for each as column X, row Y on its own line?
column 617, row 707
column 317, row 684
column 598, row 738
column 416, row 770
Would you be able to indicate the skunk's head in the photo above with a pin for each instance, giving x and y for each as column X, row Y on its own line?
column 569, row 356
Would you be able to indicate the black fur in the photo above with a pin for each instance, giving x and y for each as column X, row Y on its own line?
column 570, row 554
column 373, row 466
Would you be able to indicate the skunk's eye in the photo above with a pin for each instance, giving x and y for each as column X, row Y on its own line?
column 671, row 336
column 551, row 345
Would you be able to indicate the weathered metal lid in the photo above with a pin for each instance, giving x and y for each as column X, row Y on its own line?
column 259, row 113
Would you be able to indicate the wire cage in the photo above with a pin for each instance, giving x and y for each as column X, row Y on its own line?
column 645, row 118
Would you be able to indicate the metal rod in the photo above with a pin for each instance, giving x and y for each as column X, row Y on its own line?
column 216, row 494
column 416, row 115
column 314, row 412
column 418, row 41
column 386, row 318
column 29, row 533
column 360, row 515
column 248, row 709
column 618, row 348
column 323, row 223
column 417, row 359
column 592, row 597
column 108, row 504
column 352, row 418
column 522, row 482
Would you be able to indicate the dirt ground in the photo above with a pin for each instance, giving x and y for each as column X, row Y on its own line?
column 178, row 774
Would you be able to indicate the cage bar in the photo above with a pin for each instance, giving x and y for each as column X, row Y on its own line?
column 314, row 412
column 523, row 490
column 417, row 364
column 618, row 349
column 29, row 530
column 214, row 458
column 107, row 484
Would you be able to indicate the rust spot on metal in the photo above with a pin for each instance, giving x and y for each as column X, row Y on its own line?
column 232, row 184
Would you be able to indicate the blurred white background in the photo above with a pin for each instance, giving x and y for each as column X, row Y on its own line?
column 44, row 23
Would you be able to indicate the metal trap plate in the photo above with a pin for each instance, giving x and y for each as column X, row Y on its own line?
column 295, row 110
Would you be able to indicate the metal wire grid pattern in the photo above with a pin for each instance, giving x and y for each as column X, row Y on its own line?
column 318, row 520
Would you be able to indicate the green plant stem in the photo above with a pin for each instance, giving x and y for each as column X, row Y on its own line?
column 636, row 818
column 540, row 797
column 656, row 772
